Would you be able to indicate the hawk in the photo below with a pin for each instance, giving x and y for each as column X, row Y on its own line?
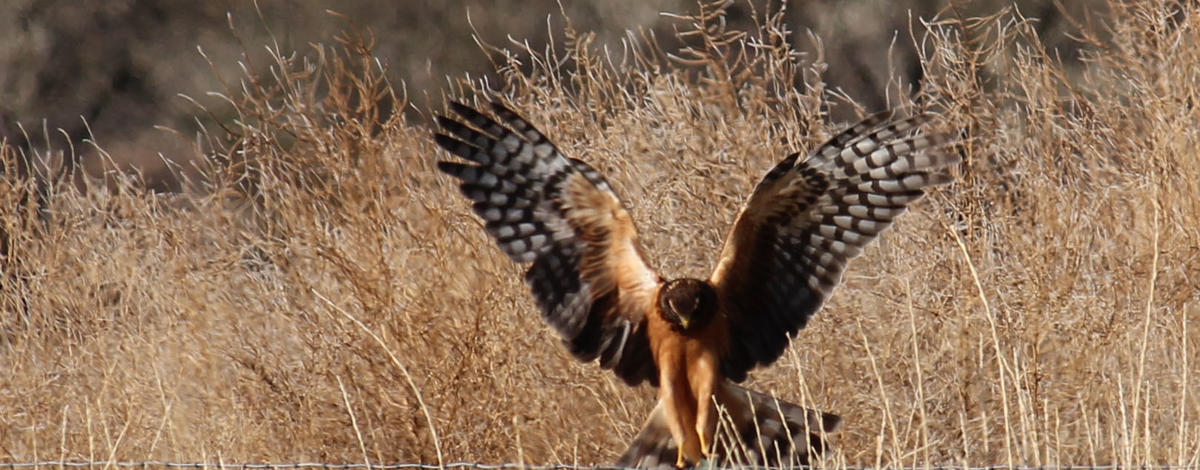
column 694, row 339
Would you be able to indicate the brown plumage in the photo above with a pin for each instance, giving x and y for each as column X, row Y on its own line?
column 692, row 338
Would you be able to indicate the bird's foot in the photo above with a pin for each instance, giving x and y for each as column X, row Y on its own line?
column 680, row 460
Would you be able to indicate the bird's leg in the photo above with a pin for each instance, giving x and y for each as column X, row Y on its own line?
column 669, row 396
column 703, row 377
column 689, row 448
column 703, row 417
column 677, row 434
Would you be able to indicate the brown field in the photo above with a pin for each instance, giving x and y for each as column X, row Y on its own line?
column 318, row 292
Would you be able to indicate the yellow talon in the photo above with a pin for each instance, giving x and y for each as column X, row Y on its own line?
column 704, row 450
column 680, row 462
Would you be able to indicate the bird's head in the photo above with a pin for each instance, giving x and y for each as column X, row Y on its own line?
column 688, row 304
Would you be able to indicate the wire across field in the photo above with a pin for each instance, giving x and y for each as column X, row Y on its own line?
column 149, row 465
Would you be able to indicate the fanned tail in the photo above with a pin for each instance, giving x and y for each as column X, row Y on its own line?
column 756, row 429
column 769, row 431
column 653, row 447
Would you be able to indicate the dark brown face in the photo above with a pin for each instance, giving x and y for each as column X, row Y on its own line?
column 688, row 304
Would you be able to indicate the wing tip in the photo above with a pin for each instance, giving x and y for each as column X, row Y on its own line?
column 450, row 143
column 454, row 169
column 501, row 108
column 446, row 122
column 462, row 109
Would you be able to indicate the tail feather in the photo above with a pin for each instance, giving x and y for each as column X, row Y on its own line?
column 755, row 429
column 653, row 447
column 770, row 431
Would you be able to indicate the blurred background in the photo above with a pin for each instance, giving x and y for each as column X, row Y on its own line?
column 114, row 71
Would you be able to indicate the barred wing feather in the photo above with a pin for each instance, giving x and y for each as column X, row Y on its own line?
column 559, row 215
column 807, row 218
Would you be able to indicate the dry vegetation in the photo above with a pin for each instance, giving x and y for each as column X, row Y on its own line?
column 321, row 293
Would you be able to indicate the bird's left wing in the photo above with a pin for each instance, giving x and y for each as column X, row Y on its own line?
column 806, row 219
column 559, row 214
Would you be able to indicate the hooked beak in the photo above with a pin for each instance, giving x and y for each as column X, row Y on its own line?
column 684, row 323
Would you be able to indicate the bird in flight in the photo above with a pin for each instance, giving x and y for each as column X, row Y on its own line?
column 694, row 339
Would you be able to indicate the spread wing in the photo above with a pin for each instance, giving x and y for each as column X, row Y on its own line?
column 560, row 215
column 806, row 219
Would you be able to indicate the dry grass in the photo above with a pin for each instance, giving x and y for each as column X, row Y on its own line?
column 323, row 294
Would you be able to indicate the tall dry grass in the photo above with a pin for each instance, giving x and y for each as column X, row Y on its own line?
column 322, row 294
